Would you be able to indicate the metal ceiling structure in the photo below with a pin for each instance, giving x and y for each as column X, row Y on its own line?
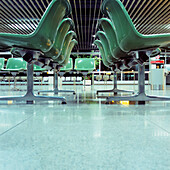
column 23, row 16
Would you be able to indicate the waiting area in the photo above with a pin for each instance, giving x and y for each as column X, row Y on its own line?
column 84, row 85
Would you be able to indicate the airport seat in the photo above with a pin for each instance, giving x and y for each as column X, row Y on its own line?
column 67, row 67
column 102, row 50
column 134, row 43
column 33, row 45
column 15, row 65
column 65, row 25
column 84, row 64
column 127, row 60
column 107, row 52
column 100, row 46
column 128, row 37
column 38, row 71
column 43, row 38
column 63, row 59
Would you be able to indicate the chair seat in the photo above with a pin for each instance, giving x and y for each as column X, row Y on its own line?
column 69, row 66
column 84, row 64
column 104, row 39
column 15, row 65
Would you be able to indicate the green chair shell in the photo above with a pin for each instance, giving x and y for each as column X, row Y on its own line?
column 104, row 39
column 108, row 28
column 68, row 52
column 129, row 38
column 101, row 49
column 2, row 62
column 66, row 43
column 62, row 30
column 84, row 64
column 69, row 65
column 15, row 64
column 44, row 35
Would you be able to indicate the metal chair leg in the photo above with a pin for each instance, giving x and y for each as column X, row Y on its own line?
column 56, row 89
column 115, row 90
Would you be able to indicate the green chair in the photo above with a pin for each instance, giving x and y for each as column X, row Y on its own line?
column 125, row 61
column 31, row 46
column 130, row 40
column 38, row 68
column 104, row 39
column 67, row 67
column 38, row 71
column 128, row 37
column 84, row 64
column 108, row 28
column 67, row 54
column 15, row 65
column 62, row 31
column 115, row 90
column 43, row 38
column 66, row 49
column 117, row 64
column 102, row 52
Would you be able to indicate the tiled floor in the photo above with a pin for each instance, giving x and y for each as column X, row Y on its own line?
column 85, row 134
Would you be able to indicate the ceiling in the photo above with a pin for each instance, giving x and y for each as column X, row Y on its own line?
column 148, row 16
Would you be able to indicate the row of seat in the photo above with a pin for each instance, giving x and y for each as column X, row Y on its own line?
column 122, row 46
column 48, row 46
column 18, row 64
column 118, row 39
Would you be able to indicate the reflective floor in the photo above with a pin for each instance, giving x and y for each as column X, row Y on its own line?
column 84, row 134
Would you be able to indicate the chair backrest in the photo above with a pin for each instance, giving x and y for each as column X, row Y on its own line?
column 101, row 49
column 67, row 41
column 16, row 63
column 102, row 36
column 68, row 52
column 2, row 61
column 62, row 31
column 109, row 29
column 84, row 64
column 69, row 65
